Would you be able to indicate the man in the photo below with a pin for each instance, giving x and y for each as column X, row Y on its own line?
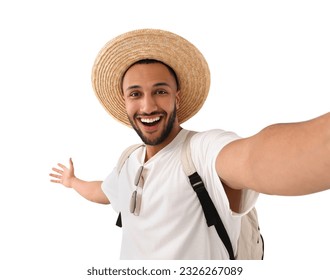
column 153, row 81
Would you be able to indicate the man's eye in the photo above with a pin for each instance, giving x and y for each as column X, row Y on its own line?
column 161, row 92
column 134, row 94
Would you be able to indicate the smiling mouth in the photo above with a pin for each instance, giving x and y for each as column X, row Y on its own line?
column 150, row 121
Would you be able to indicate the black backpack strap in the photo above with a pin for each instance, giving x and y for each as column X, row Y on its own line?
column 118, row 223
column 210, row 212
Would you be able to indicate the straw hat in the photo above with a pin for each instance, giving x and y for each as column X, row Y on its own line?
column 121, row 52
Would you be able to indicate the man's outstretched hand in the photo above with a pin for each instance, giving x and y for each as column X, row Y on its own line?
column 64, row 175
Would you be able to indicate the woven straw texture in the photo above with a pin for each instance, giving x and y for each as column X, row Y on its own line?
column 121, row 52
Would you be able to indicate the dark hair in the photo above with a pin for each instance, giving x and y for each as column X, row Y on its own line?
column 151, row 61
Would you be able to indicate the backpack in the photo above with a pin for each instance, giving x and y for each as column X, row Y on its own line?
column 250, row 243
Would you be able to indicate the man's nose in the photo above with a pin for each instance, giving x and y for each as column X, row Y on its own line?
column 148, row 104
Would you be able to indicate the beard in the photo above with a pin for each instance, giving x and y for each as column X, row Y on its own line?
column 165, row 133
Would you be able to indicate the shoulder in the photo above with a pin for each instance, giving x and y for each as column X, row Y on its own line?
column 213, row 139
column 205, row 146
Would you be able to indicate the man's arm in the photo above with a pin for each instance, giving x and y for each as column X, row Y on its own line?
column 90, row 190
column 282, row 159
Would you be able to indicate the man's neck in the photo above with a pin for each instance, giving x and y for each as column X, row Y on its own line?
column 152, row 150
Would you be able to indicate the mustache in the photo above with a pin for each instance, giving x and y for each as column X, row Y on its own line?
column 155, row 113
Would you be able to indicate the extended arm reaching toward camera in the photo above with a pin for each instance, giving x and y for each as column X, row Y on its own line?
column 282, row 159
column 90, row 190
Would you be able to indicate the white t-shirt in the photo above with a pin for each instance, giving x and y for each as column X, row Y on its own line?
column 171, row 223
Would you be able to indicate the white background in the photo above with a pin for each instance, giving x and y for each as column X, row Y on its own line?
column 270, row 62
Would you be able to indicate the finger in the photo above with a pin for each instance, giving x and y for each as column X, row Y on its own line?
column 71, row 163
column 57, row 170
column 55, row 176
column 62, row 166
column 56, row 181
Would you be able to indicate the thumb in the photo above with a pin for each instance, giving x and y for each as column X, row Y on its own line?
column 71, row 164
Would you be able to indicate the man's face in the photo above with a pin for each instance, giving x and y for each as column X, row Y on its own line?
column 151, row 99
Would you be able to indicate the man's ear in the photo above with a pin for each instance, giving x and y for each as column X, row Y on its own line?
column 122, row 96
column 177, row 99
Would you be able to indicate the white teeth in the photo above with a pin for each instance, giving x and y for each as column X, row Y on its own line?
column 150, row 120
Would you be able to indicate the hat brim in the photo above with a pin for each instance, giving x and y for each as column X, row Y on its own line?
column 121, row 52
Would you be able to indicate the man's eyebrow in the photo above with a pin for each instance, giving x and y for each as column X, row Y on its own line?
column 155, row 85
column 133, row 87
column 161, row 84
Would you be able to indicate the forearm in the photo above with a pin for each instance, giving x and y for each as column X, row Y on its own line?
column 292, row 159
column 91, row 190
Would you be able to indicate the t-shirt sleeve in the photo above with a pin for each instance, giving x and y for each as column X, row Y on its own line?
column 205, row 148
column 110, row 188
